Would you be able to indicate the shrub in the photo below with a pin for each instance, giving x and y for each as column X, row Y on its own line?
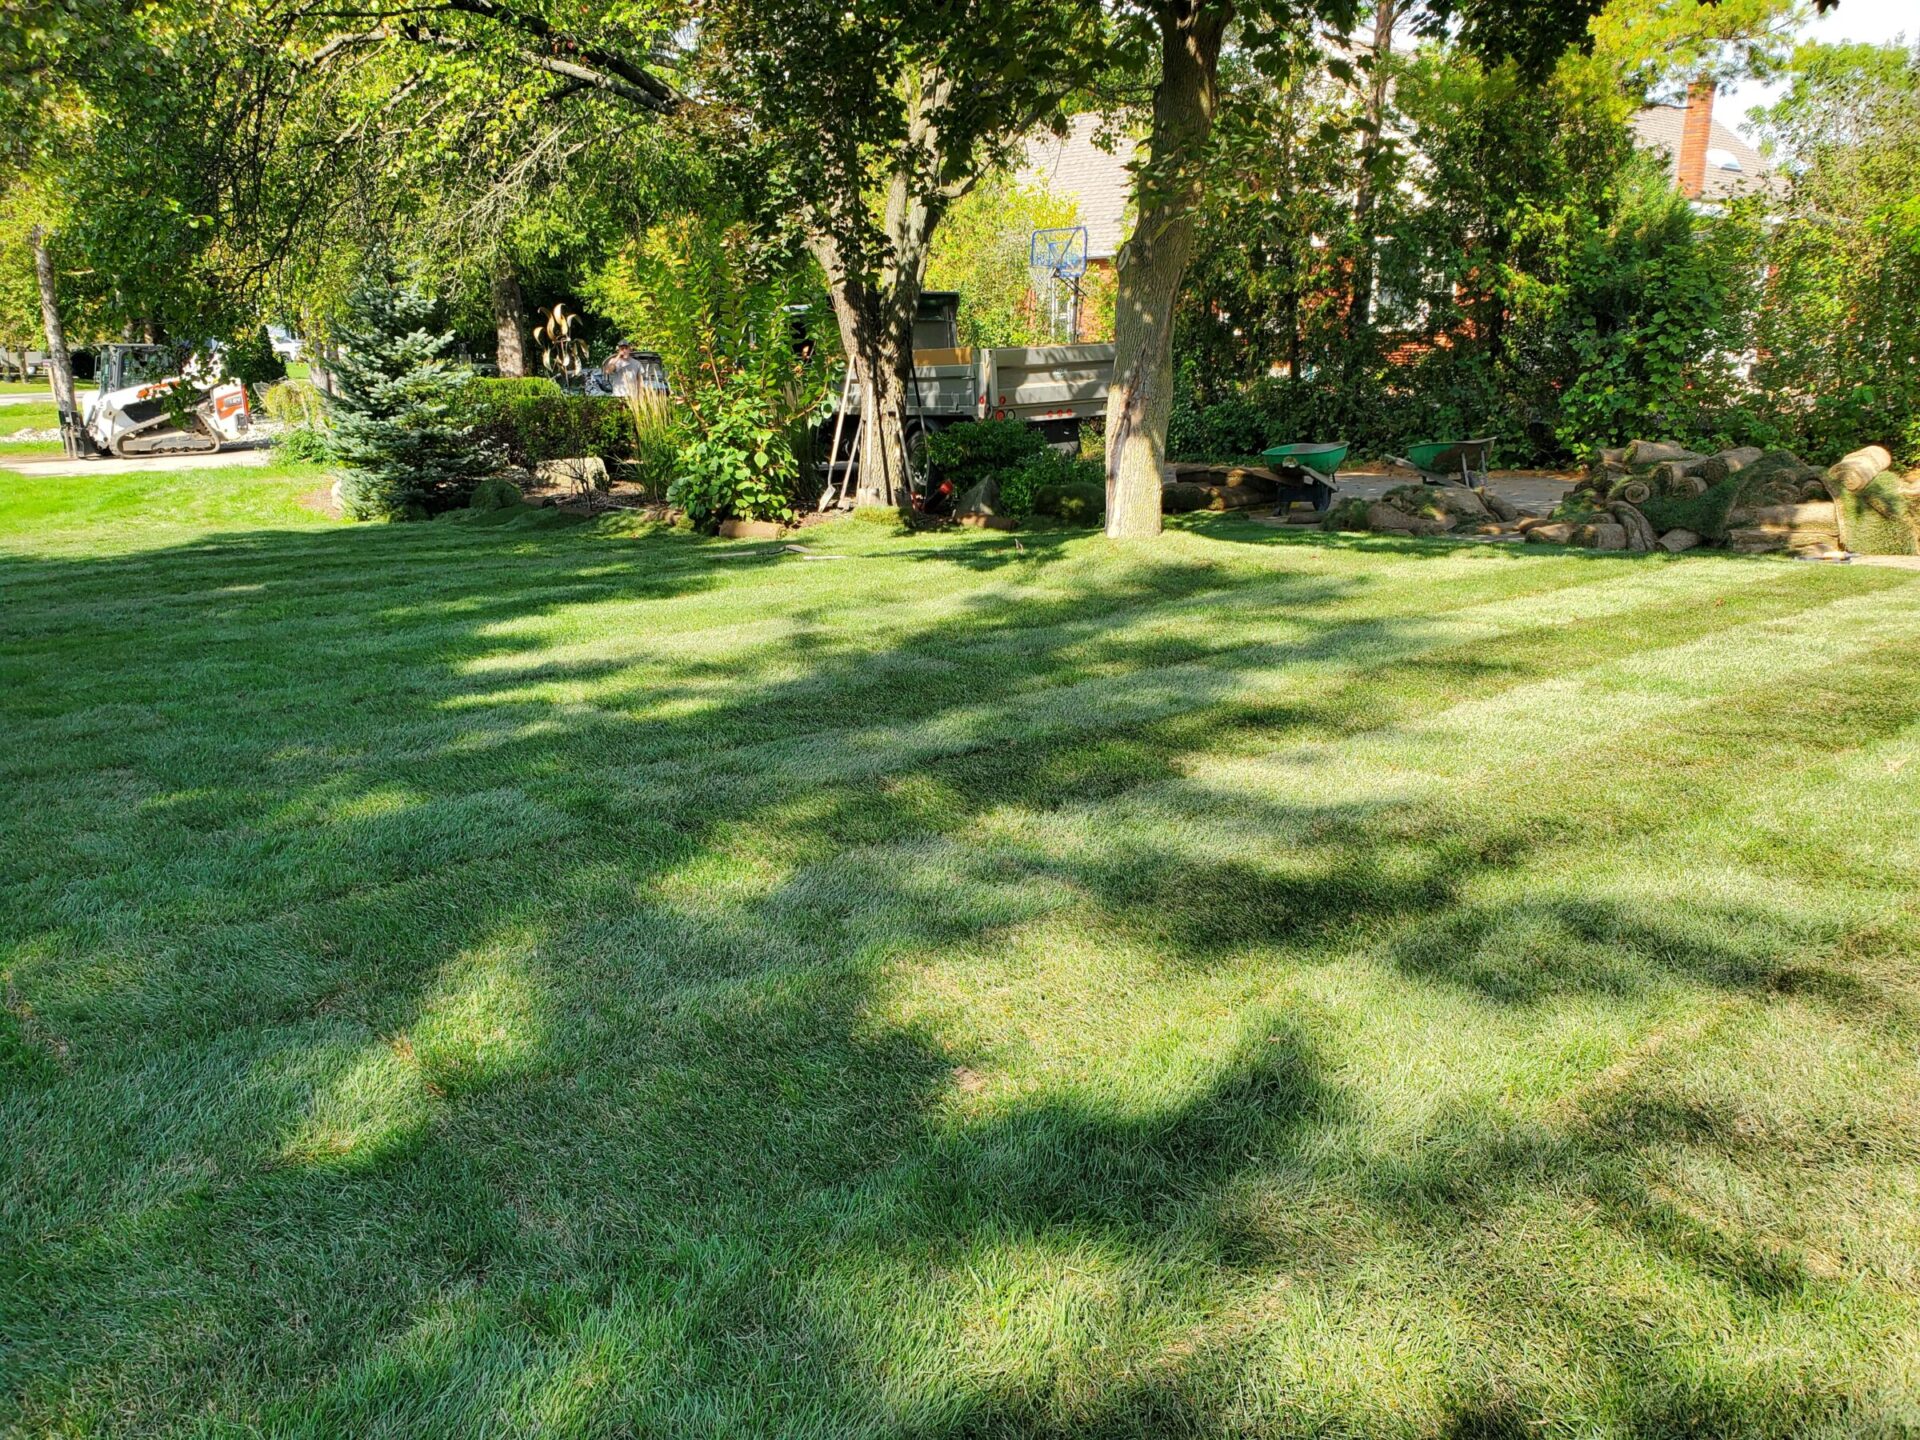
column 1020, row 486
column 299, row 405
column 976, row 450
column 1082, row 502
column 534, row 420
column 1231, row 429
column 294, row 402
column 306, row 445
column 738, row 465
column 398, row 422
column 496, row 492
column 717, row 309
column 658, row 440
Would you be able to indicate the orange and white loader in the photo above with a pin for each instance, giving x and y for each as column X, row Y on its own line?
column 141, row 409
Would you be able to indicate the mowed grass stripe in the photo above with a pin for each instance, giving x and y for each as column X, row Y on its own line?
column 271, row 868
column 1426, row 1014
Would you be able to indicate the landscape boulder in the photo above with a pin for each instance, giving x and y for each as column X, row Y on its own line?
column 580, row 472
column 980, row 498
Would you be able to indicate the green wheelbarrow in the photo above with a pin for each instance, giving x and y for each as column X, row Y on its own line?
column 1307, row 472
column 1449, row 462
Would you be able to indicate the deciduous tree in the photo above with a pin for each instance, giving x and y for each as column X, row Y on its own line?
column 1185, row 38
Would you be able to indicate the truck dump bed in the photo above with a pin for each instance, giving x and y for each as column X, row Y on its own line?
column 1046, row 382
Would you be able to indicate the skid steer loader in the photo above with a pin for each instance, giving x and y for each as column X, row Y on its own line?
column 148, row 405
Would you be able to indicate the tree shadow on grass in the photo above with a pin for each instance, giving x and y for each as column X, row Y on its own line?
column 493, row 1041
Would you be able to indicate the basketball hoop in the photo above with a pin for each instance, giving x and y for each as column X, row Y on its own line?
column 1056, row 259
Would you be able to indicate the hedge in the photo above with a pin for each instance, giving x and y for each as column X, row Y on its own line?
column 533, row 420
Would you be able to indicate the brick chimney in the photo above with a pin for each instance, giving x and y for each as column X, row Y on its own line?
column 1695, row 135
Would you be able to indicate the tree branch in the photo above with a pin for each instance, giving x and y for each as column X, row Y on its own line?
column 659, row 96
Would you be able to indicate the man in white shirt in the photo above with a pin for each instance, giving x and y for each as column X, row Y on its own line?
column 623, row 370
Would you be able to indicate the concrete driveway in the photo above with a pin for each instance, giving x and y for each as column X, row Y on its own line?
column 55, row 466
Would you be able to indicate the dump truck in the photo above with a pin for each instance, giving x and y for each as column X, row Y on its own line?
column 1057, row 389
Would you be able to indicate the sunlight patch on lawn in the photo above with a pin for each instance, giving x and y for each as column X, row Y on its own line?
column 482, row 1020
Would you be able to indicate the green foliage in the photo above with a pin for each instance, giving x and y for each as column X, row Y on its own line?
column 982, row 249
column 302, row 409
column 306, row 445
column 1836, row 325
column 659, row 437
column 294, row 402
column 251, row 359
column 1234, row 427
column 1082, row 502
column 976, row 450
column 1649, row 322
column 1535, row 279
column 1048, row 470
column 738, row 464
column 496, row 492
column 715, row 306
column 534, row 420
column 399, row 422
column 1654, row 45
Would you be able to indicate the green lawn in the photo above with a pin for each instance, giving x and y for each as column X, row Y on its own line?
column 534, row 977
column 39, row 387
column 14, row 418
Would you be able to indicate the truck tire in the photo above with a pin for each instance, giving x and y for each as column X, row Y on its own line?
column 920, row 462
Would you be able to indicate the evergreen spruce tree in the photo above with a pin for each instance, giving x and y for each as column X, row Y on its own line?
column 397, row 412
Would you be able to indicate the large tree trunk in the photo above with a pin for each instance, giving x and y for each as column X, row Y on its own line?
column 1386, row 15
column 884, row 476
column 871, row 338
column 59, row 362
column 509, row 322
column 876, row 309
column 1154, row 259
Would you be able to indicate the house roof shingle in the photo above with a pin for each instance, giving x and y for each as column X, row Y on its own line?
column 1657, row 128
column 1075, row 167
